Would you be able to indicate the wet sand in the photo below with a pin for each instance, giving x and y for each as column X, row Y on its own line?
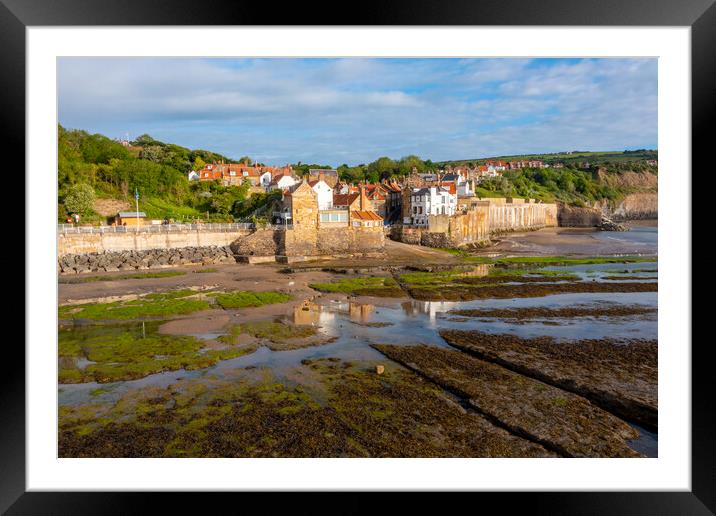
column 576, row 241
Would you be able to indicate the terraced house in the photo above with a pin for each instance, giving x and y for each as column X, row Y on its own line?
column 235, row 174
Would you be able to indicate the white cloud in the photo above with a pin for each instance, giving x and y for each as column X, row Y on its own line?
column 354, row 110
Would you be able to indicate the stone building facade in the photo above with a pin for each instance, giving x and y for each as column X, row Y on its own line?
column 313, row 234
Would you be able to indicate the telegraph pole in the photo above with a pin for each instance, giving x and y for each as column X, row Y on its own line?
column 136, row 200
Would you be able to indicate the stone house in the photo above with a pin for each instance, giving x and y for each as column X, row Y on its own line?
column 377, row 195
column 300, row 206
column 393, row 201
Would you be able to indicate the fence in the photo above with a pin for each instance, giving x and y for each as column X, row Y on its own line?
column 157, row 228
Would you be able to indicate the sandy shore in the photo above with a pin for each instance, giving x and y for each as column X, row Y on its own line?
column 572, row 241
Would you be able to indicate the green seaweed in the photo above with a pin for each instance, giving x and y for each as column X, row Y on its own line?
column 246, row 299
column 384, row 286
column 132, row 351
column 273, row 331
column 120, row 277
column 161, row 304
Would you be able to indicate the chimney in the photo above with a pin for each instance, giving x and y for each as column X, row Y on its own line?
column 363, row 198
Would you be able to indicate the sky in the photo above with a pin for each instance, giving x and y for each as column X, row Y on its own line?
column 335, row 111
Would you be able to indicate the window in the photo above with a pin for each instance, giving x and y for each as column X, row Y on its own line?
column 334, row 217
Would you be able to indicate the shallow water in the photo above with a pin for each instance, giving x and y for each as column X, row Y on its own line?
column 407, row 321
column 643, row 239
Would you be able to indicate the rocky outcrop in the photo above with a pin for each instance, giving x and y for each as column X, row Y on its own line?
column 148, row 259
column 608, row 224
column 573, row 216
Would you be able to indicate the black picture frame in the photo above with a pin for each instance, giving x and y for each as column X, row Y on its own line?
column 700, row 15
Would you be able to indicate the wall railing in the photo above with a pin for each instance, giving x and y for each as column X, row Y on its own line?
column 68, row 229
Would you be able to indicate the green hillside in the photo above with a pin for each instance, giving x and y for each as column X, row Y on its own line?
column 94, row 170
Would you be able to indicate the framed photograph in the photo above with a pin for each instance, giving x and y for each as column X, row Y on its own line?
column 418, row 253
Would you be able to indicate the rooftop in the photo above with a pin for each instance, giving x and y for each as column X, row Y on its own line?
column 365, row 215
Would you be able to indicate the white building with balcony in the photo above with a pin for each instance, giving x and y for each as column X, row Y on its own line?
column 424, row 202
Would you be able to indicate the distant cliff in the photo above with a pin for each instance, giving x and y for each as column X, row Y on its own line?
column 632, row 207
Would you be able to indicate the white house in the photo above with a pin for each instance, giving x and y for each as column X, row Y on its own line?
column 193, row 176
column 265, row 179
column 466, row 188
column 430, row 201
column 324, row 194
column 282, row 182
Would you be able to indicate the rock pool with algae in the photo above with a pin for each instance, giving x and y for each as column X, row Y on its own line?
column 336, row 332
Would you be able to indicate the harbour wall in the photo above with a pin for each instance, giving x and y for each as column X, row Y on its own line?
column 478, row 223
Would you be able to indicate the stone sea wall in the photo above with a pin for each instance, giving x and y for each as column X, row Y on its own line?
column 306, row 243
column 147, row 259
column 74, row 243
column 475, row 226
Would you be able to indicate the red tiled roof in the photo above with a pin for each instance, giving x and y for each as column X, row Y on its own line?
column 365, row 215
column 450, row 186
column 344, row 199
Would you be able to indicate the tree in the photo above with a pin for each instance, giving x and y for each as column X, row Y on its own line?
column 80, row 199
column 407, row 163
column 198, row 164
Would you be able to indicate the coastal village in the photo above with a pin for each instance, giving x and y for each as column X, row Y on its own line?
column 319, row 215
column 436, row 209
column 305, row 281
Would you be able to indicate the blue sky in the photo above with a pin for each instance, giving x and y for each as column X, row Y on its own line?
column 335, row 111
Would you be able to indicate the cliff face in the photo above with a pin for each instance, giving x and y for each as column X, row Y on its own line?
column 634, row 206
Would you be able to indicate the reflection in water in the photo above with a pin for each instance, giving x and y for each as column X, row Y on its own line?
column 306, row 313
column 415, row 308
column 360, row 312
column 478, row 271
